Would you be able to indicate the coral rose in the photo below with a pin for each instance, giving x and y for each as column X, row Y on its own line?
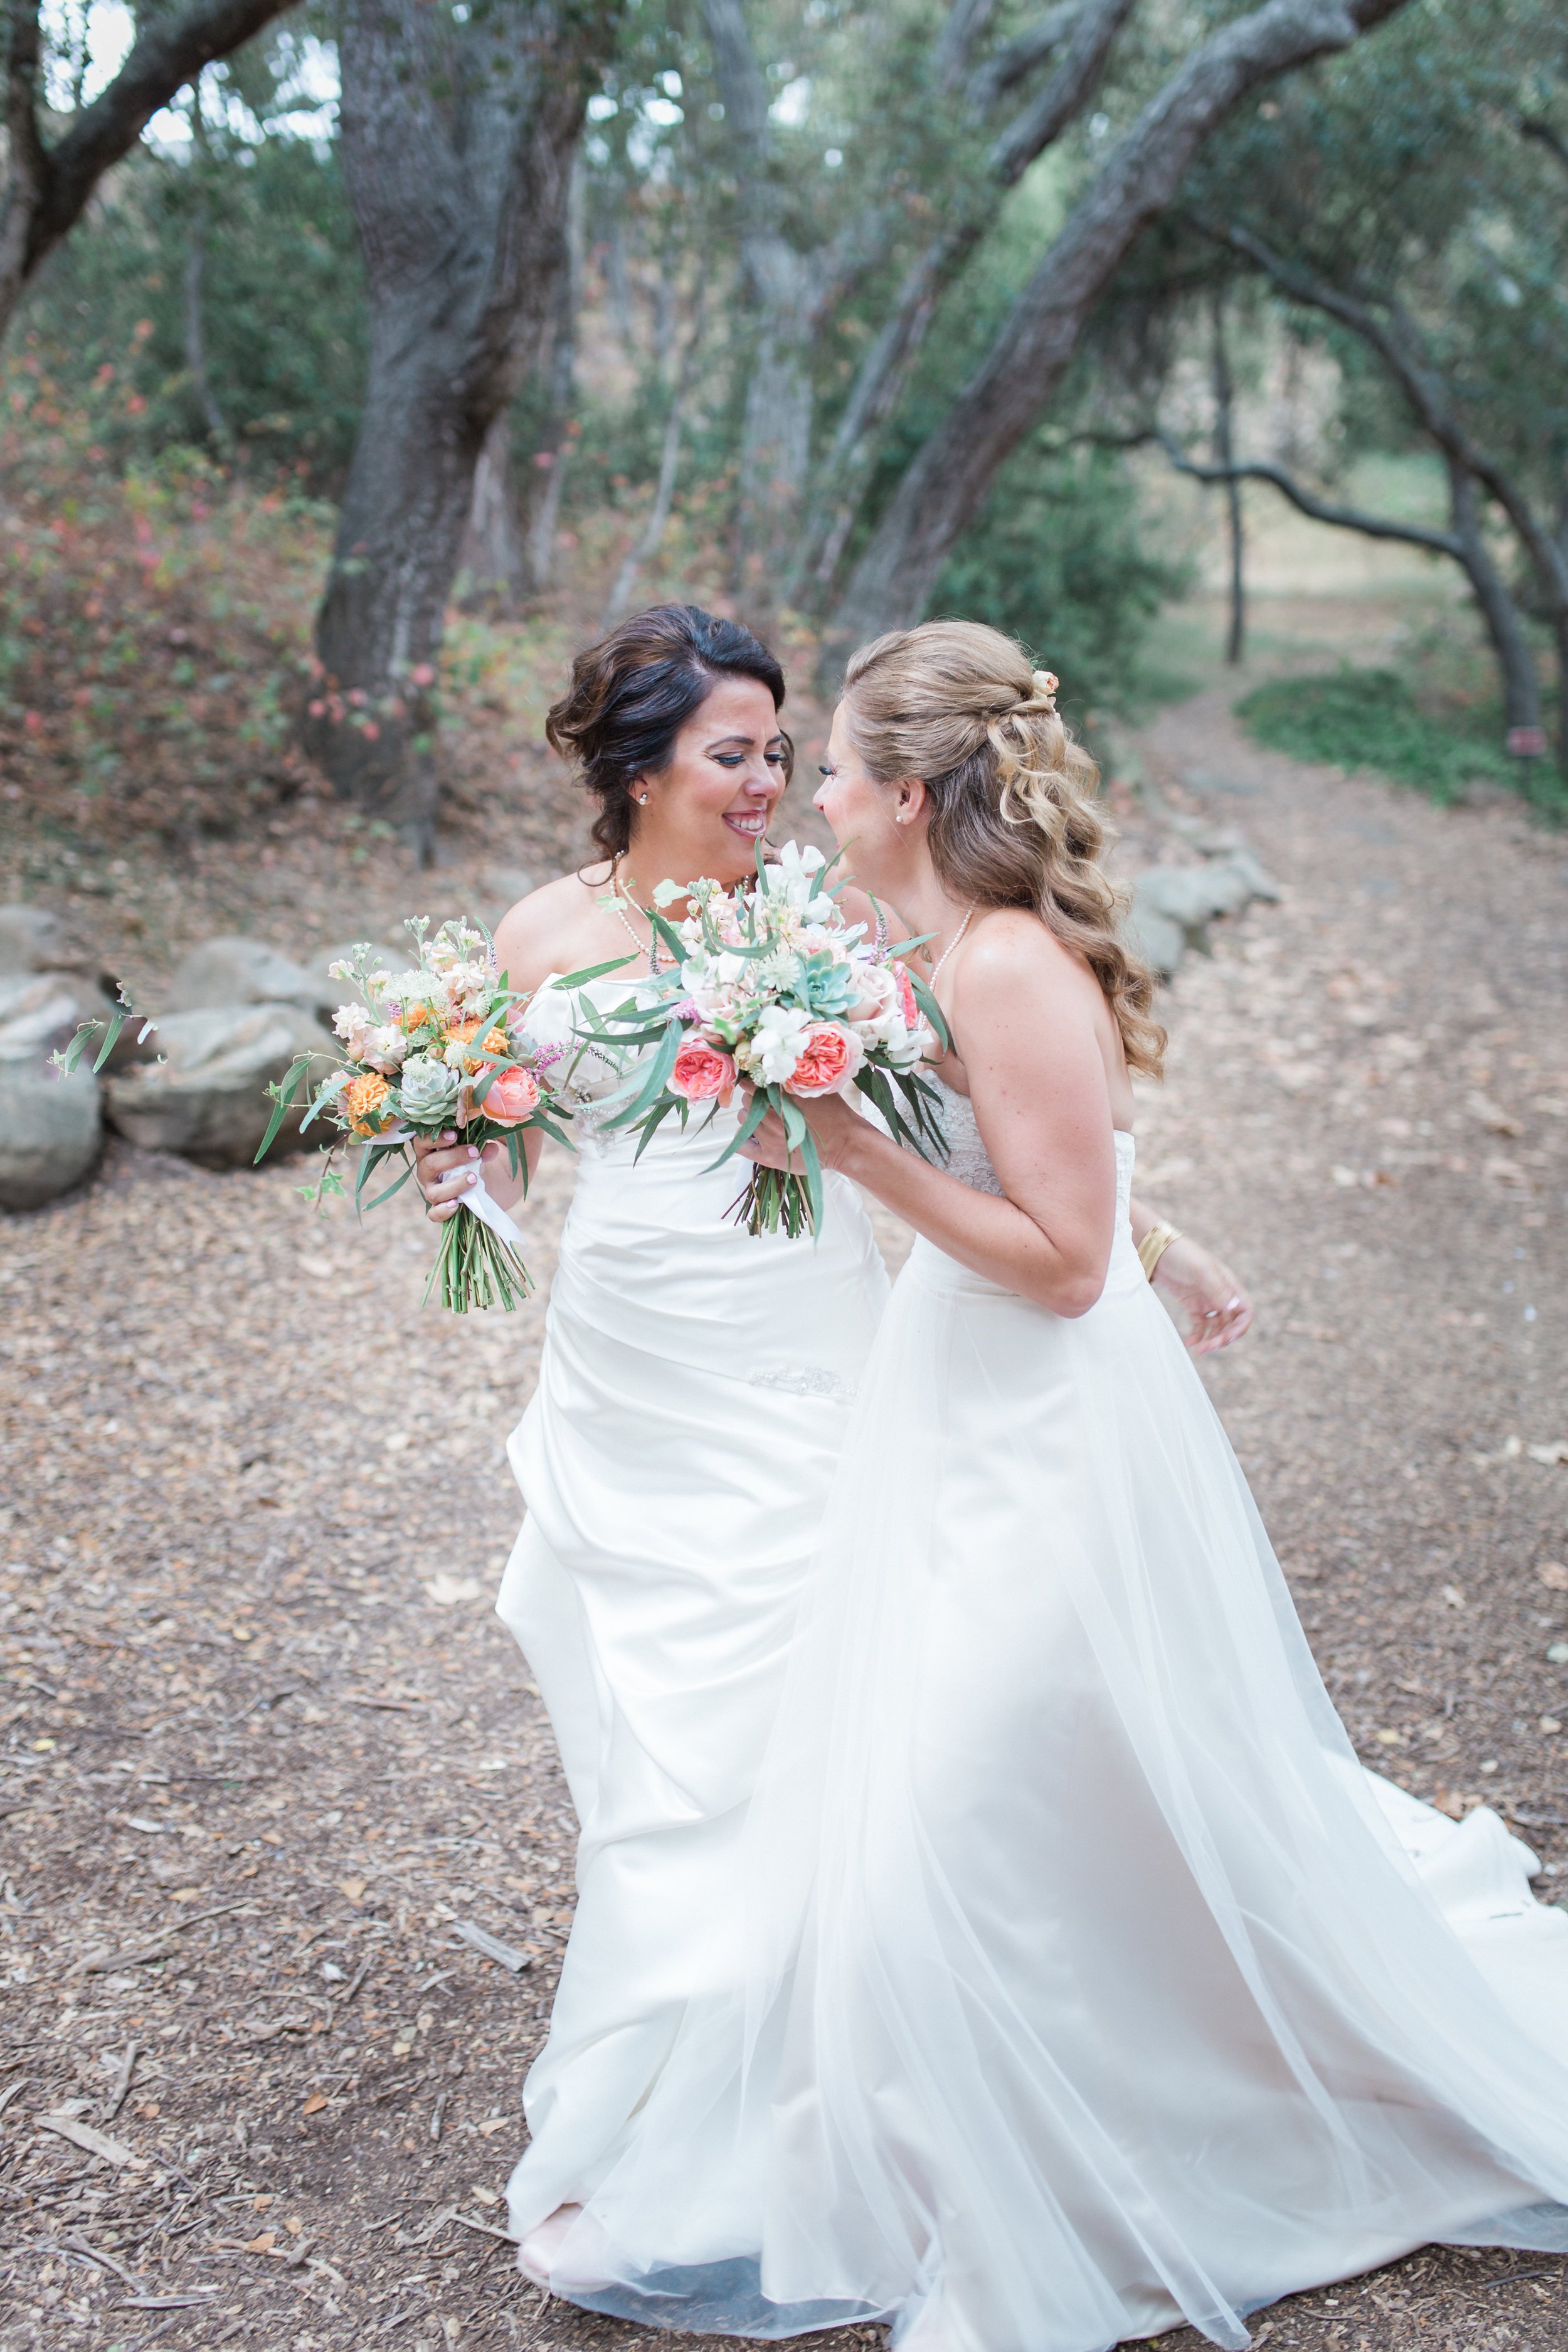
column 829, row 1058
column 906, row 1004
column 363, row 1099
column 511, row 1097
column 701, row 1073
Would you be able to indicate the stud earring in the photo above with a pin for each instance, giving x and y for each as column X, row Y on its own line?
column 642, row 800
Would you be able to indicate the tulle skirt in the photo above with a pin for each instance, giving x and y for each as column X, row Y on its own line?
column 1072, row 1978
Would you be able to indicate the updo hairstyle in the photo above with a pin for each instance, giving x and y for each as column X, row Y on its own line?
column 1013, row 820
column 633, row 692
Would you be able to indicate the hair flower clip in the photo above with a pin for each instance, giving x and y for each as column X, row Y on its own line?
column 1045, row 683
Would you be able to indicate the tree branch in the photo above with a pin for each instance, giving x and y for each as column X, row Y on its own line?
column 1017, row 59
column 1066, row 94
column 169, row 52
column 1370, row 525
column 964, row 23
column 1397, row 343
column 944, row 488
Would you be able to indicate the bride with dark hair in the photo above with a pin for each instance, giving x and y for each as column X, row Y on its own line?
column 692, row 1398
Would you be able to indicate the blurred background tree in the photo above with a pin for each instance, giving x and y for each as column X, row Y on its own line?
column 836, row 315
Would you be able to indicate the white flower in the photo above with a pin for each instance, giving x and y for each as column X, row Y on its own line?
column 773, row 1048
column 793, row 879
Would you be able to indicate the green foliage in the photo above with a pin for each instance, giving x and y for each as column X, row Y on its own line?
column 1055, row 559
column 281, row 307
column 1371, row 718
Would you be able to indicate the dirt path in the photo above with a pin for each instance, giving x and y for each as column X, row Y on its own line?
column 265, row 1746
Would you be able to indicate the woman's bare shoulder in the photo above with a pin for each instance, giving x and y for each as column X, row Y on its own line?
column 541, row 932
column 1013, row 945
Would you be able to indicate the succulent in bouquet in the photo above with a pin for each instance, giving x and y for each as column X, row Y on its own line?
column 769, row 986
column 440, row 1048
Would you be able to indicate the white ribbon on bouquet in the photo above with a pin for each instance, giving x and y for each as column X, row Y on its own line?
column 476, row 1197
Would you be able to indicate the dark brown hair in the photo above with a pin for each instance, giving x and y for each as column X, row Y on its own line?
column 633, row 692
column 1014, row 820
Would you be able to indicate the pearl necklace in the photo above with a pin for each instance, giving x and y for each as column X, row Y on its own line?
column 622, row 901
column 948, row 950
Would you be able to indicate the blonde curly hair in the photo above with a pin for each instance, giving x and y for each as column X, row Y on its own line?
column 1013, row 821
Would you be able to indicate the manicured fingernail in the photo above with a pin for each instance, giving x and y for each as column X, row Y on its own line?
column 472, row 1177
column 473, row 1153
column 449, row 1137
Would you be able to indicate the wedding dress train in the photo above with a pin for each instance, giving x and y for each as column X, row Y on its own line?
column 1070, row 1978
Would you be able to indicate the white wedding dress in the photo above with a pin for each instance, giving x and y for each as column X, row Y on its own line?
column 1066, row 1976
column 675, row 1460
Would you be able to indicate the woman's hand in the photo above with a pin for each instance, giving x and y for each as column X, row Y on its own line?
column 1213, row 1310
column 832, row 1122
column 445, row 1170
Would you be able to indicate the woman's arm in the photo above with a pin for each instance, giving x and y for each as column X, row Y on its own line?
column 1027, row 1015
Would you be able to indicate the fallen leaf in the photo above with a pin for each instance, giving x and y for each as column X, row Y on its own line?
column 1389, row 1739
column 1553, row 1575
column 494, row 2123
column 97, row 2143
column 353, row 1888
column 446, row 1591
column 293, row 2225
column 262, row 2245
column 484, row 2196
column 187, row 1894
column 314, row 2104
column 1550, row 1723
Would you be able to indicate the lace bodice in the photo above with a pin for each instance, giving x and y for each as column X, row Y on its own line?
column 968, row 1161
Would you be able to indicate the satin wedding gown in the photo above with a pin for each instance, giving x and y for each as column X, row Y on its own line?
column 1068, row 1977
column 675, row 1460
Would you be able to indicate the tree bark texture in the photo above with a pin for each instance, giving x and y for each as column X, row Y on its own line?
column 1225, row 455
column 791, row 293
column 944, row 487
column 45, row 188
column 456, row 143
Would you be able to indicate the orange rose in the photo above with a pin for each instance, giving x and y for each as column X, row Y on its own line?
column 701, row 1073
column 829, row 1057
column 363, row 1099
column 511, row 1097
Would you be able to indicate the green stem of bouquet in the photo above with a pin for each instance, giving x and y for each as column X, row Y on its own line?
column 475, row 1267
column 774, row 1200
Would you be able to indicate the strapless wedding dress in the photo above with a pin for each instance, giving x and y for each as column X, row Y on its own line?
column 675, row 1461
column 1072, row 1978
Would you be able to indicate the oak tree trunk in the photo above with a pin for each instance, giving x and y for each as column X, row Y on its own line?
column 456, row 143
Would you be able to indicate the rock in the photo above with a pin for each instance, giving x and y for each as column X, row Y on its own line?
column 40, row 1013
column 32, row 940
column 51, row 1131
column 208, row 1100
column 237, row 971
column 1173, row 906
column 1161, row 942
column 382, row 958
column 503, row 886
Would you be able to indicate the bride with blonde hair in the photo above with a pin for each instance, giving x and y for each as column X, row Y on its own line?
column 1076, row 1980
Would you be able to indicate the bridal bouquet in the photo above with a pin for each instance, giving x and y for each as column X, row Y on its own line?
column 438, row 1048
column 770, row 985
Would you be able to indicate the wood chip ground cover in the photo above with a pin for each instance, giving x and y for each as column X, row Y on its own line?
column 267, row 1753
